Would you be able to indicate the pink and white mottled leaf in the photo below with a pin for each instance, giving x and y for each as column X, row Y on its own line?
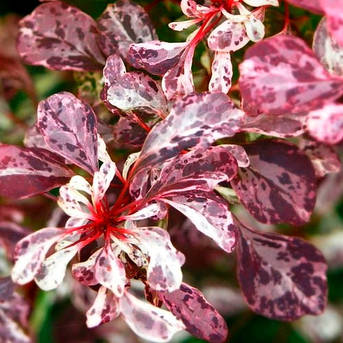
column 313, row 5
column 326, row 123
column 114, row 69
column 104, row 309
column 293, row 269
column 200, row 318
column 182, row 25
column 329, row 53
column 147, row 212
column 239, row 154
column 30, row 253
column 110, row 271
column 228, row 36
column 84, row 272
column 156, row 57
column 26, row 172
column 60, row 37
column 221, row 73
column 334, row 15
column 254, row 29
column 324, row 158
column 279, row 186
column 278, row 126
column 193, row 10
column 281, row 75
column 209, row 213
column 122, row 24
column 164, row 269
column 196, row 120
column 178, row 81
column 102, row 180
column 147, row 321
column 69, row 128
column 257, row 3
column 52, row 271
column 10, row 331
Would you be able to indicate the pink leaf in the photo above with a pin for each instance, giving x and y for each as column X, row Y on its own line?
column 329, row 53
column 102, row 180
column 324, row 158
column 156, row 57
column 122, row 24
column 221, row 73
column 104, row 309
column 326, row 124
column 69, row 127
column 164, row 269
column 110, row 271
column 191, row 9
column 195, row 120
column 30, row 253
column 334, row 15
column 114, row 69
column 147, row 321
column 313, row 5
column 279, row 186
column 60, row 37
column 239, row 154
column 281, row 277
column 200, row 317
column 278, row 126
column 178, row 80
column 281, row 75
column 209, row 213
column 26, row 172
column 10, row 331
column 133, row 91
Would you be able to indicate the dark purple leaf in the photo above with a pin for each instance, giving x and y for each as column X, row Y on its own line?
column 196, row 120
column 279, row 186
column 122, row 24
column 26, row 172
column 281, row 75
column 156, row 57
column 281, row 277
column 60, row 37
column 69, row 128
column 200, row 318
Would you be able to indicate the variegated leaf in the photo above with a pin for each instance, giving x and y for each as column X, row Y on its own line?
column 209, row 213
column 193, row 10
column 326, row 123
column 104, row 309
column 102, row 180
column 281, row 75
column 279, row 186
column 30, row 253
column 281, row 277
column 69, row 127
column 61, row 37
column 329, row 53
column 195, row 120
column 10, row 331
column 201, row 319
column 156, row 57
column 122, row 24
column 147, row 321
column 313, row 5
column 257, row 3
column 26, row 172
column 221, row 73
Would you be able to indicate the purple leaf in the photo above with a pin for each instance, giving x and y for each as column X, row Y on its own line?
column 281, row 75
column 6, row 288
column 324, row 158
column 329, row 53
column 209, row 213
column 334, row 15
column 239, row 154
column 26, row 172
column 200, row 317
column 60, row 37
column 195, row 120
column 278, row 126
column 326, row 124
column 221, row 73
column 132, row 91
column 279, row 186
column 281, row 277
column 156, row 57
column 122, row 24
column 114, row 69
column 313, row 5
column 69, row 128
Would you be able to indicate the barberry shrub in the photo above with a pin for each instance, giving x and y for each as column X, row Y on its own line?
column 167, row 148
